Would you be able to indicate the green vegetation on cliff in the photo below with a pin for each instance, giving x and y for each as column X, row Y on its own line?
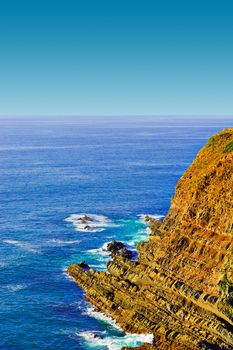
column 228, row 147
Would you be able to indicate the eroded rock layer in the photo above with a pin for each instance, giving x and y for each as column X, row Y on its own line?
column 180, row 288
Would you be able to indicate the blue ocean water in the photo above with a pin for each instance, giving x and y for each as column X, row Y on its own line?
column 52, row 168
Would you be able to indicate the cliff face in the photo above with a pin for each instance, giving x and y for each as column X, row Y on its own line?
column 180, row 288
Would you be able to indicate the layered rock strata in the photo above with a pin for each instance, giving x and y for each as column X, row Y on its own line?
column 180, row 288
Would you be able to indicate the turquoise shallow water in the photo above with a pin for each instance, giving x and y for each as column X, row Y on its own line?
column 53, row 168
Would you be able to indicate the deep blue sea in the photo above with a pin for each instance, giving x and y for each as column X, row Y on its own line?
column 53, row 168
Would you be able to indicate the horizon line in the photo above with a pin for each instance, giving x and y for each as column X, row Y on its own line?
column 113, row 115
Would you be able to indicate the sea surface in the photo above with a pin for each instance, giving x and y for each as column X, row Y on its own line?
column 52, row 169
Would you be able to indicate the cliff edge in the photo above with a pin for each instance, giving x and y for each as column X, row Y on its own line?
column 180, row 288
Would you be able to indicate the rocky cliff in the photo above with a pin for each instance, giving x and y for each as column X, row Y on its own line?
column 180, row 288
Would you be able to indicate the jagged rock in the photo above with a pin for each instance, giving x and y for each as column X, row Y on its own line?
column 96, row 336
column 180, row 288
column 118, row 248
column 114, row 246
column 87, row 218
column 125, row 253
column 84, row 265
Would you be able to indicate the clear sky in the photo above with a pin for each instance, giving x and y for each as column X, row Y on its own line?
column 116, row 57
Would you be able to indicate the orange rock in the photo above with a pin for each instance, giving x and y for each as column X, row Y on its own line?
column 181, row 286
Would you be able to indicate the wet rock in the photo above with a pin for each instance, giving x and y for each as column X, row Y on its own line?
column 119, row 249
column 84, row 265
column 87, row 218
column 114, row 246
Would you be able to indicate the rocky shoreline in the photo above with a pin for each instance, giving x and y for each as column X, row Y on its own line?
column 180, row 287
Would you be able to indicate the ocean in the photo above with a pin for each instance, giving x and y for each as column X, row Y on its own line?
column 53, row 169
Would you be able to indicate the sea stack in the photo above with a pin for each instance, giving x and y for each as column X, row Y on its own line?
column 180, row 288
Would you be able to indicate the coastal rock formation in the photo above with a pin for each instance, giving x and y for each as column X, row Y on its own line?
column 118, row 248
column 180, row 288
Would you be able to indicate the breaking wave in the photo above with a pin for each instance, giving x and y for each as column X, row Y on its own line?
column 13, row 287
column 142, row 217
column 63, row 242
column 90, row 311
column 99, row 340
column 23, row 245
column 89, row 222
column 3, row 265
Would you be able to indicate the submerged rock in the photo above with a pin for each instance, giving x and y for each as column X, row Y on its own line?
column 82, row 221
column 180, row 288
column 87, row 218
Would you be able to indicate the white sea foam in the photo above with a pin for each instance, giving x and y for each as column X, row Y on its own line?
column 95, row 223
column 101, row 252
column 90, row 311
column 14, row 287
column 105, row 246
column 66, row 275
column 63, row 242
column 2, row 265
column 23, row 245
column 144, row 233
column 98, row 251
column 135, row 241
column 99, row 339
column 142, row 217
column 102, row 255
column 100, row 267
column 140, row 235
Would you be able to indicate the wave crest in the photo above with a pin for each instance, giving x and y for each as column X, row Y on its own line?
column 23, row 245
column 13, row 287
column 99, row 339
column 89, row 222
column 63, row 242
column 142, row 217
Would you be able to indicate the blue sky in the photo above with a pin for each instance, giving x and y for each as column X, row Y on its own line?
column 116, row 57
